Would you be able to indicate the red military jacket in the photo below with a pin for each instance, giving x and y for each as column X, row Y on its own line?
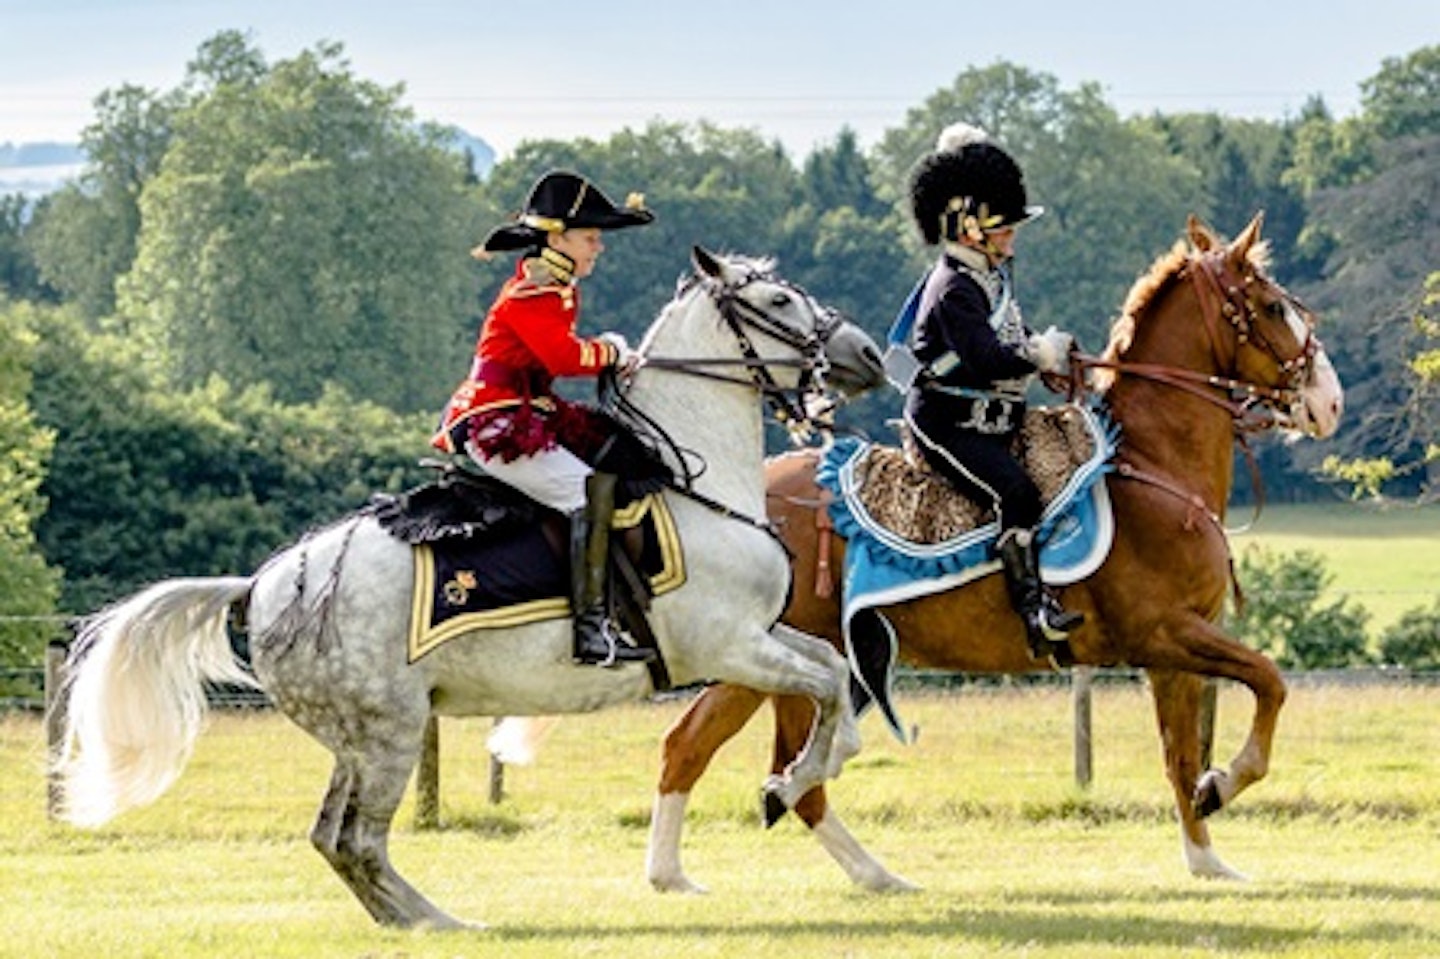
column 527, row 340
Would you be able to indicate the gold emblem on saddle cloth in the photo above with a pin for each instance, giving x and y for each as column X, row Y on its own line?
column 901, row 493
column 457, row 591
column 423, row 638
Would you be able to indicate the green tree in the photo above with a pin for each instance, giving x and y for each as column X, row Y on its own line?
column 1115, row 194
column 28, row 587
column 147, row 483
column 837, row 175
column 727, row 190
column 84, row 236
column 1376, row 288
column 19, row 275
column 1283, row 616
column 1414, row 640
column 1242, row 165
column 1403, row 98
column 302, row 231
column 1404, row 434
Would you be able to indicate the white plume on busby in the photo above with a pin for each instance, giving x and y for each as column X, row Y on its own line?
column 957, row 136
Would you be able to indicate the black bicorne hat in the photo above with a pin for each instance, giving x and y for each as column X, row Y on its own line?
column 559, row 201
column 968, row 182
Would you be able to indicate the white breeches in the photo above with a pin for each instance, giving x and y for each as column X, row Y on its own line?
column 555, row 477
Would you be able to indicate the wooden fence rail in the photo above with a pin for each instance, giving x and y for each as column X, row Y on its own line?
column 427, row 777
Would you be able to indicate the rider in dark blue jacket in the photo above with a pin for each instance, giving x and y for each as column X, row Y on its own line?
column 977, row 357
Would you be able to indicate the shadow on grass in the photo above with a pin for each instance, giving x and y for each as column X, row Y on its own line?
column 1009, row 927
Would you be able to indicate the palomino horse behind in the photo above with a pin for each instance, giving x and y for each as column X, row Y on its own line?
column 329, row 616
column 1207, row 345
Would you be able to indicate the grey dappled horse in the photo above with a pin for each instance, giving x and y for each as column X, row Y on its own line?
column 329, row 615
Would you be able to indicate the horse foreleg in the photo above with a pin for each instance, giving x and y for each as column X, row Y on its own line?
column 819, row 758
column 352, row 833
column 793, row 718
column 1177, row 701
column 1219, row 655
column 846, row 742
column 715, row 716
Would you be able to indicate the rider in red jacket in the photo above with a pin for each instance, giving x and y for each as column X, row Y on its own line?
column 505, row 414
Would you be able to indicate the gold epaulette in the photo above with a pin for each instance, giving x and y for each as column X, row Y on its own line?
column 525, row 289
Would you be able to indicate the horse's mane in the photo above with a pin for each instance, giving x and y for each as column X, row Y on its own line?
column 1147, row 289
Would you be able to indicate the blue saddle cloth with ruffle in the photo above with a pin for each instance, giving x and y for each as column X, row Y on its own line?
column 883, row 568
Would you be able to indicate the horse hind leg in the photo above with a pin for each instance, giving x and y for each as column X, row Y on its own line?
column 352, row 833
column 711, row 720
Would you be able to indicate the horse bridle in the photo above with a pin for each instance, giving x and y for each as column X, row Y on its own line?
column 787, row 404
column 1253, row 407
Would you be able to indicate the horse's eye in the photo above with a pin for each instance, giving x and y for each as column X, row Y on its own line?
column 780, row 299
column 1276, row 310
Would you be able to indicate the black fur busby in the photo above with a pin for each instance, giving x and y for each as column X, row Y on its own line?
column 561, row 200
column 969, row 183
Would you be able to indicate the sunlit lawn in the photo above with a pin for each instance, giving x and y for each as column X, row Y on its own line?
column 1342, row 842
column 1385, row 559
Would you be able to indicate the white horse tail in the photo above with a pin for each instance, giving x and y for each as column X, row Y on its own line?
column 134, row 694
column 516, row 740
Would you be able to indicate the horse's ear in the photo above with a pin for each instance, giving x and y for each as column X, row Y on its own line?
column 1201, row 237
column 1240, row 246
column 705, row 261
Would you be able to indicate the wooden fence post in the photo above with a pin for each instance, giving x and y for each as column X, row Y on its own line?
column 55, row 654
column 497, row 777
column 427, row 778
column 1080, row 678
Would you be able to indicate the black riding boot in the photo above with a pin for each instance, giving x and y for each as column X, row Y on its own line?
column 1046, row 624
column 596, row 641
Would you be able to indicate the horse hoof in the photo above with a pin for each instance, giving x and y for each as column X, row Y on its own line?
column 1207, row 794
column 679, row 885
column 775, row 808
column 890, row 884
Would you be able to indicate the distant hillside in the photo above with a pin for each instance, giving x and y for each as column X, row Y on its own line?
column 35, row 169
column 40, row 154
column 482, row 155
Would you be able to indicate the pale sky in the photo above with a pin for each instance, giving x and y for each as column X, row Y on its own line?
column 796, row 70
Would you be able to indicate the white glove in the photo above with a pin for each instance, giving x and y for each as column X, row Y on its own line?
column 1050, row 351
column 627, row 361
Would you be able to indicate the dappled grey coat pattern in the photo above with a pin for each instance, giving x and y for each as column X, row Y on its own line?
column 329, row 616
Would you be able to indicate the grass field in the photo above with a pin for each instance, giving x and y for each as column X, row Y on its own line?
column 1342, row 842
column 1385, row 559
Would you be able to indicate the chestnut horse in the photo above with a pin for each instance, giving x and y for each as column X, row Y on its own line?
column 1207, row 345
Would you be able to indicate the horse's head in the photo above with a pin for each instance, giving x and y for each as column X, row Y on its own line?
column 786, row 334
column 1275, row 342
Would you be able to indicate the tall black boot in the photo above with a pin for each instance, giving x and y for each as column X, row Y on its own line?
column 596, row 641
column 1047, row 625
